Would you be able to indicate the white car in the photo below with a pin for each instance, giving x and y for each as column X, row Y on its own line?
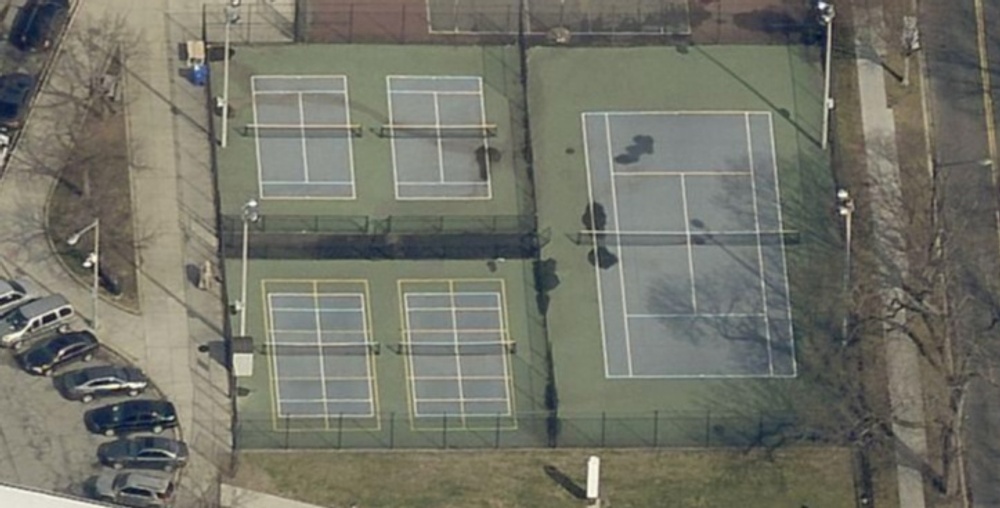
column 4, row 149
column 17, row 292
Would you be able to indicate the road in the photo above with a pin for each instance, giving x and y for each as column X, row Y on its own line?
column 958, row 62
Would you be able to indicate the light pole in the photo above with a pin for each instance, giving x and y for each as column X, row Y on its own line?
column 251, row 213
column 232, row 17
column 826, row 15
column 93, row 262
column 845, row 207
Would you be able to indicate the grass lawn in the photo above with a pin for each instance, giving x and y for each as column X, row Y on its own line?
column 795, row 478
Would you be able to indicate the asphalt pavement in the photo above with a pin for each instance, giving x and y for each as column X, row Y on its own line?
column 968, row 210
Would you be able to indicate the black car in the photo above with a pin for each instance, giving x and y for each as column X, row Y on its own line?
column 144, row 452
column 49, row 354
column 38, row 24
column 102, row 380
column 15, row 94
column 131, row 416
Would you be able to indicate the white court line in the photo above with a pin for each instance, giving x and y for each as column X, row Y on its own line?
column 494, row 294
column 784, row 260
column 464, row 378
column 299, row 92
column 319, row 380
column 704, row 376
column 760, row 248
column 451, row 399
column 332, row 183
column 440, row 142
column 486, row 141
column 319, row 341
column 682, row 233
column 690, row 247
column 445, row 183
column 597, row 270
column 324, row 401
column 621, row 255
column 294, row 331
column 683, row 173
column 369, row 359
column 454, row 324
column 442, row 92
column 392, row 142
column 305, row 154
column 350, row 140
column 470, row 309
column 462, row 330
column 508, row 375
column 735, row 113
column 322, row 309
column 256, row 139
column 706, row 315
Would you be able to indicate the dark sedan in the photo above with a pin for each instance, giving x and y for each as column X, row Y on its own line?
column 131, row 416
column 46, row 356
column 102, row 380
column 144, row 452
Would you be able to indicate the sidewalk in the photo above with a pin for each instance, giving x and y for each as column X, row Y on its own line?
column 173, row 203
column 905, row 391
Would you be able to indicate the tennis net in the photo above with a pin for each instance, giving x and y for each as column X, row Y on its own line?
column 455, row 348
column 302, row 130
column 637, row 238
column 329, row 349
column 437, row 131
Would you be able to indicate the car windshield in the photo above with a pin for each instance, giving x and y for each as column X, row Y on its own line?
column 41, row 355
column 16, row 320
column 120, row 481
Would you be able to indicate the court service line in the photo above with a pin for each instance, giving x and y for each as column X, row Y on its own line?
column 350, row 139
column 690, row 248
column 429, row 92
column 319, row 341
column 594, row 245
column 621, row 259
column 683, row 173
column 784, row 258
column 392, row 144
column 305, row 153
column 463, row 378
column 486, row 141
column 300, row 92
column 447, row 183
column 760, row 248
column 458, row 358
column 440, row 143
column 328, row 183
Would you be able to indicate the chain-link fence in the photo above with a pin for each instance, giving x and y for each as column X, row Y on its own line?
column 570, row 22
column 653, row 429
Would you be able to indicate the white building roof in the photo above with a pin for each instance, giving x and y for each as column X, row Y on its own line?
column 28, row 498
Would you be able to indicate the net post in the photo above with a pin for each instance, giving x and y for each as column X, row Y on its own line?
column 656, row 428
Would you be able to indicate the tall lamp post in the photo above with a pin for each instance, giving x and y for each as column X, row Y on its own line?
column 93, row 262
column 845, row 207
column 232, row 17
column 251, row 213
column 826, row 15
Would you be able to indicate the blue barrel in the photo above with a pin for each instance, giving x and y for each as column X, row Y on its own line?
column 199, row 74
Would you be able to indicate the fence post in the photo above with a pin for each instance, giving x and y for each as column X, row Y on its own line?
column 340, row 431
column 287, row 431
column 708, row 428
column 656, row 428
column 496, row 438
column 444, row 431
column 392, row 430
column 604, row 421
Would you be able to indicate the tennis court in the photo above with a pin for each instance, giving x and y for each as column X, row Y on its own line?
column 456, row 345
column 320, row 348
column 303, row 133
column 691, row 208
column 439, row 136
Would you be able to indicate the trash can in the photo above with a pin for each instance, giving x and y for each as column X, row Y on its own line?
column 199, row 74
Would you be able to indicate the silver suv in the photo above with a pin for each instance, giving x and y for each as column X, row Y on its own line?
column 15, row 293
column 140, row 489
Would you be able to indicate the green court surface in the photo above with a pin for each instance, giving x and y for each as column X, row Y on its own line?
column 369, row 160
column 783, row 82
column 392, row 415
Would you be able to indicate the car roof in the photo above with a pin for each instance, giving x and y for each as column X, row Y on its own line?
column 159, row 406
column 43, row 305
column 99, row 371
column 150, row 481
column 66, row 339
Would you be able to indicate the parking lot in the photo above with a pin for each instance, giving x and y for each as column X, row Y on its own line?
column 43, row 442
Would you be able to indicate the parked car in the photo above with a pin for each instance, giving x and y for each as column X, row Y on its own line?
column 102, row 380
column 16, row 91
column 131, row 416
column 140, row 489
column 34, row 318
column 15, row 292
column 38, row 24
column 49, row 354
column 144, row 452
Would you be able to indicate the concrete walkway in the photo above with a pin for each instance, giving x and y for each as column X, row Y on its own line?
column 236, row 497
column 905, row 391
